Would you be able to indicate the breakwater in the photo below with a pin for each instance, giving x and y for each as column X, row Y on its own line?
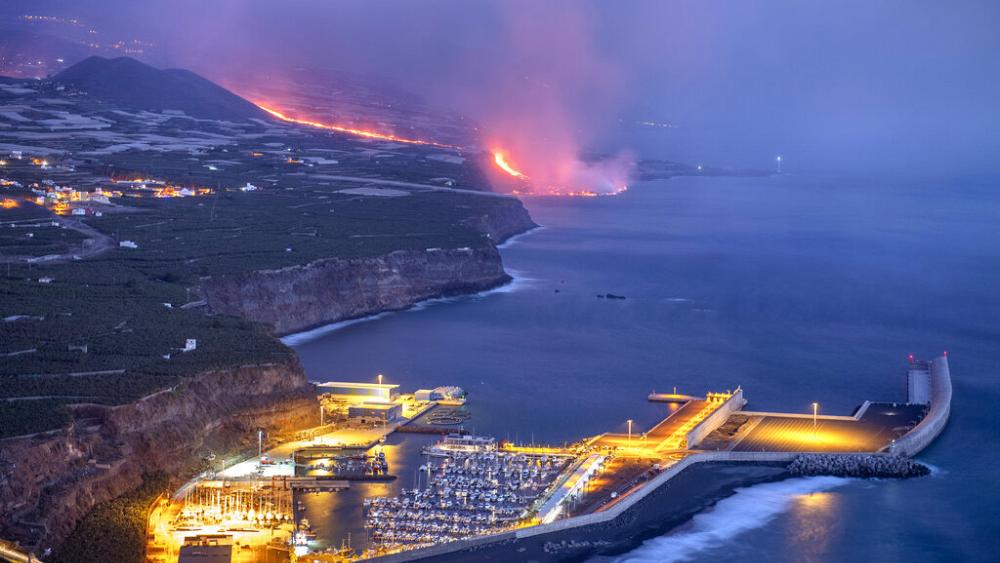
column 856, row 465
column 937, row 415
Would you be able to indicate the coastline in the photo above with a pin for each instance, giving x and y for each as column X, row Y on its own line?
column 515, row 281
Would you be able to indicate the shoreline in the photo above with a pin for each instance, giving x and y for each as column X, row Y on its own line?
column 515, row 280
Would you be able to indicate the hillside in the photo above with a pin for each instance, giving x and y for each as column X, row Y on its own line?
column 131, row 84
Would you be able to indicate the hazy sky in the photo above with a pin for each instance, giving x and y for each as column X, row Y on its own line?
column 856, row 86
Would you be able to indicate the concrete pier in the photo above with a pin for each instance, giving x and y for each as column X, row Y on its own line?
column 937, row 415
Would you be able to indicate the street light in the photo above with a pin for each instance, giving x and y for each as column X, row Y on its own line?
column 380, row 379
column 630, row 432
column 815, row 412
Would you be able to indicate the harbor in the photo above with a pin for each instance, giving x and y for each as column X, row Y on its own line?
column 360, row 488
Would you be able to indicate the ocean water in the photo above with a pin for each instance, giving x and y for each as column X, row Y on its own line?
column 797, row 289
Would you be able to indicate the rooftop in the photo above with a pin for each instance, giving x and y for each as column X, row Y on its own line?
column 351, row 385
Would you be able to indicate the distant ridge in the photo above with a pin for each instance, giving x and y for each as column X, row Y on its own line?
column 135, row 85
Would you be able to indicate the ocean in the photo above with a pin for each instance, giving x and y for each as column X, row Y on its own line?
column 798, row 289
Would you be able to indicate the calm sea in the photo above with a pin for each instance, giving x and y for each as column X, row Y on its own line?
column 797, row 289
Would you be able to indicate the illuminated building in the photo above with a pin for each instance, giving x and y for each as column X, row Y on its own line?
column 360, row 392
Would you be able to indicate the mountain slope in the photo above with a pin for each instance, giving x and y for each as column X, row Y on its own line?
column 135, row 85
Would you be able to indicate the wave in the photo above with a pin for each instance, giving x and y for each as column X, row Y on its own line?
column 510, row 241
column 518, row 282
column 935, row 470
column 750, row 508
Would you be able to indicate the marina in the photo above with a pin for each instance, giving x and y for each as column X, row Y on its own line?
column 467, row 487
column 462, row 486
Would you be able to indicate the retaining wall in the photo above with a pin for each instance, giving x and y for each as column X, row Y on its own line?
column 716, row 419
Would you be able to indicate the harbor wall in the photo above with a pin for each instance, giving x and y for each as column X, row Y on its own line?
column 937, row 415
column 716, row 419
column 657, row 504
column 576, row 523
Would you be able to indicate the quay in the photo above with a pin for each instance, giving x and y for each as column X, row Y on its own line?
column 475, row 495
column 648, row 479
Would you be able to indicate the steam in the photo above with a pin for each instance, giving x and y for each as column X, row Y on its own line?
column 548, row 94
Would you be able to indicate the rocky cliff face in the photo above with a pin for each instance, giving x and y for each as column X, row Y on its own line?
column 503, row 221
column 50, row 483
column 325, row 291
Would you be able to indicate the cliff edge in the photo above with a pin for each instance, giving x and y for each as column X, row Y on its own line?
column 49, row 483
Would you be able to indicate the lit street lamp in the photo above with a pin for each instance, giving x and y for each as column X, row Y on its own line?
column 630, row 432
column 380, row 379
column 815, row 412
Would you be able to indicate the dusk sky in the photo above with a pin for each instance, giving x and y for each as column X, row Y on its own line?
column 864, row 87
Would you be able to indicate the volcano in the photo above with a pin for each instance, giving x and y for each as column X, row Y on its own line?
column 131, row 84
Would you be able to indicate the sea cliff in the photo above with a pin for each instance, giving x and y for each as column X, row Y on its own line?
column 50, row 483
column 330, row 290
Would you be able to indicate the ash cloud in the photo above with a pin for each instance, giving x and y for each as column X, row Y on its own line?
column 891, row 88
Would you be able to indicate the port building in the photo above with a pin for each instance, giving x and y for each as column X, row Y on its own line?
column 375, row 412
column 360, row 392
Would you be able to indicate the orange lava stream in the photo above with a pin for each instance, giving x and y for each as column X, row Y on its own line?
column 501, row 160
column 349, row 130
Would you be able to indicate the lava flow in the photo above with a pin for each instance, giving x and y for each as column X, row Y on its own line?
column 501, row 161
column 349, row 130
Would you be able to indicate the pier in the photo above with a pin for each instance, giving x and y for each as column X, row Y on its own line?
column 474, row 493
column 873, row 442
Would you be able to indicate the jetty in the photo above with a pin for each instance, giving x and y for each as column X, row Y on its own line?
column 643, row 476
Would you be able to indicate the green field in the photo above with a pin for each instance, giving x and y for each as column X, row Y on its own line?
column 110, row 328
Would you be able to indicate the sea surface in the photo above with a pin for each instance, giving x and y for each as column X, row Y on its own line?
column 798, row 289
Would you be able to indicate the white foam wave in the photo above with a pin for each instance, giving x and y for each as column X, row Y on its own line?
column 312, row 334
column 935, row 470
column 510, row 242
column 518, row 282
column 749, row 508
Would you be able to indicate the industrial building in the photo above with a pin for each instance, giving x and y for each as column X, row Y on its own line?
column 375, row 412
column 360, row 392
column 209, row 548
column 447, row 393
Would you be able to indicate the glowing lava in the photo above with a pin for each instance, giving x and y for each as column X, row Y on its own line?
column 368, row 134
column 501, row 160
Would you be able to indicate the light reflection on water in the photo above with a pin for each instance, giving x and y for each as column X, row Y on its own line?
column 337, row 517
column 814, row 523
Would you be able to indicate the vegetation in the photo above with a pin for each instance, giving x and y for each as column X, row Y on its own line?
column 111, row 328
column 114, row 531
